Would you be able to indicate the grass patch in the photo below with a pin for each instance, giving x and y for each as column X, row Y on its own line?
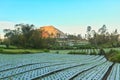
column 20, row 51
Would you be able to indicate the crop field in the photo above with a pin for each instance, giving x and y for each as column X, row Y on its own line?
column 87, row 51
column 49, row 66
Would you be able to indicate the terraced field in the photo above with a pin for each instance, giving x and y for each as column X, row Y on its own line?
column 44, row 66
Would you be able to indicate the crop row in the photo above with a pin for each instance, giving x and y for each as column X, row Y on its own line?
column 50, row 66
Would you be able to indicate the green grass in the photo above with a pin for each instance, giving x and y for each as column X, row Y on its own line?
column 21, row 51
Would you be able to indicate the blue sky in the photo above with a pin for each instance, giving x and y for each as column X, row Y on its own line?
column 70, row 16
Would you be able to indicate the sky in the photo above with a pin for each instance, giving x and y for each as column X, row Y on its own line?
column 70, row 16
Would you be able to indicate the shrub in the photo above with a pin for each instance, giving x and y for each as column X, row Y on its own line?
column 46, row 50
column 113, row 51
column 115, row 58
column 113, row 55
column 57, row 52
column 1, row 50
column 101, row 52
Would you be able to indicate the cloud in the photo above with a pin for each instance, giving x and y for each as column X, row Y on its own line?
column 5, row 25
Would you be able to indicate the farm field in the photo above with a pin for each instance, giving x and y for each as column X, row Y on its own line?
column 47, row 66
column 88, row 51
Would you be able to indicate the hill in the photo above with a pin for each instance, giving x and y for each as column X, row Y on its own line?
column 52, row 32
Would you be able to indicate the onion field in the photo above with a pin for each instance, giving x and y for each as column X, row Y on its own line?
column 49, row 66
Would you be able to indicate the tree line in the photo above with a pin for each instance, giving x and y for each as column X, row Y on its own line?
column 26, row 36
column 102, row 37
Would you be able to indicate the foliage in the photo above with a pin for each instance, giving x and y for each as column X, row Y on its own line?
column 101, row 52
column 113, row 55
column 74, row 52
column 25, row 36
column 46, row 50
column 88, row 46
column 1, row 50
column 20, row 51
column 103, row 38
column 88, row 32
column 93, row 53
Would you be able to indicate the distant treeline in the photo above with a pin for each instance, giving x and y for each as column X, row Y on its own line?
column 26, row 36
column 102, row 38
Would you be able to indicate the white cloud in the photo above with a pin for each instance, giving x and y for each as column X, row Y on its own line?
column 5, row 25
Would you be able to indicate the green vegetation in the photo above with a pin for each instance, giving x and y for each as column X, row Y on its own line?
column 87, row 46
column 72, row 52
column 22, row 51
column 76, row 51
column 26, row 39
column 102, row 38
column 61, row 51
column 83, row 52
column 101, row 52
column 25, row 36
column 94, row 52
column 75, row 47
column 113, row 55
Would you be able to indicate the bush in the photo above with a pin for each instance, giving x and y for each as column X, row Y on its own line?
column 101, row 52
column 1, row 50
column 113, row 51
column 113, row 55
column 46, row 50
column 57, row 52
column 115, row 58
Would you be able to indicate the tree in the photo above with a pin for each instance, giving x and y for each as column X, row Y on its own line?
column 79, row 36
column 88, row 32
column 104, row 38
column 26, row 31
column 102, row 30
column 89, row 28
column 20, row 35
column 115, row 32
column 114, row 38
column 9, row 34
column 25, row 36
column 35, row 39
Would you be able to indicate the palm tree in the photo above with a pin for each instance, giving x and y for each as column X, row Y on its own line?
column 26, row 31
